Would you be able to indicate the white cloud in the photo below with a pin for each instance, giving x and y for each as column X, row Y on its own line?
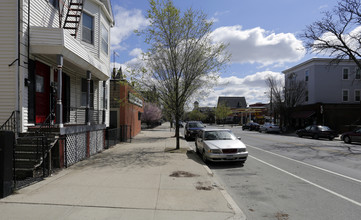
column 136, row 52
column 252, row 87
column 126, row 21
column 259, row 46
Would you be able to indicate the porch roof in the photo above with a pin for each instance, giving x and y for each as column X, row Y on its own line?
column 53, row 41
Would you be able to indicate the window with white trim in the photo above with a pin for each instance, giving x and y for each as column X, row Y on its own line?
column 357, row 95
column 358, row 74
column 306, row 75
column 105, row 40
column 88, row 28
column 345, row 73
column 54, row 3
column 84, row 91
column 345, row 95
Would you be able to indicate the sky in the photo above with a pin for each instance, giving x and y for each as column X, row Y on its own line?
column 263, row 38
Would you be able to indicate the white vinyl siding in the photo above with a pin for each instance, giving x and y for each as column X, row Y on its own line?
column 8, row 52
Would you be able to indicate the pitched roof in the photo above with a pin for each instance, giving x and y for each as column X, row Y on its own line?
column 232, row 102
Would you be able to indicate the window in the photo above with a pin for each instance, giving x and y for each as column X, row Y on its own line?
column 357, row 95
column 84, row 89
column 39, row 84
column 139, row 116
column 104, row 39
column 358, row 74
column 54, row 3
column 88, row 29
column 345, row 95
column 306, row 96
column 345, row 73
column 306, row 75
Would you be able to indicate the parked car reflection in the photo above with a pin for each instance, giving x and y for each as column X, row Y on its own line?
column 352, row 136
column 317, row 131
column 269, row 127
column 220, row 145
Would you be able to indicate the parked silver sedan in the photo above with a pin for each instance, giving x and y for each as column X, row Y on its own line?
column 220, row 145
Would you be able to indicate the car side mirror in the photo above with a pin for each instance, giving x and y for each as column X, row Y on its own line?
column 239, row 138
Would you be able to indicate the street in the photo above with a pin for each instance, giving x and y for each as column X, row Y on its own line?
column 287, row 177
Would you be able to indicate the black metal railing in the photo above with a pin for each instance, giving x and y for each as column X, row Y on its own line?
column 31, row 160
column 12, row 123
column 114, row 136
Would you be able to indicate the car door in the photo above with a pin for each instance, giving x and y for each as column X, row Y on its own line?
column 357, row 136
column 199, row 140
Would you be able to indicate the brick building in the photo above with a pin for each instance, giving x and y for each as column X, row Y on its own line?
column 126, row 107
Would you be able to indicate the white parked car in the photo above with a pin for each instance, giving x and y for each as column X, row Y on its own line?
column 219, row 145
column 269, row 127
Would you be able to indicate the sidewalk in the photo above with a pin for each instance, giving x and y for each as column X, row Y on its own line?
column 145, row 179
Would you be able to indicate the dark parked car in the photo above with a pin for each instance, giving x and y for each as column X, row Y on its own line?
column 192, row 128
column 317, row 131
column 352, row 136
column 252, row 126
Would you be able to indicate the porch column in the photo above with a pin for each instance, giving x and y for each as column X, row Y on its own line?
column 87, row 110
column 59, row 104
column 104, row 101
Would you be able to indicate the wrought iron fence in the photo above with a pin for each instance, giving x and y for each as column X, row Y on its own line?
column 114, row 136
column 12, row 124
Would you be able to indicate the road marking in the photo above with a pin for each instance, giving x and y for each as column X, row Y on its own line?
column 309, row 182
column 306, row 164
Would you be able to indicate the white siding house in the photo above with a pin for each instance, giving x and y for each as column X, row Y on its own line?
column 54, row 65
column 332, row 92
column 327, row 81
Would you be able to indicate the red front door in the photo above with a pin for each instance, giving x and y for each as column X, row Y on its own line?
column 42, row 92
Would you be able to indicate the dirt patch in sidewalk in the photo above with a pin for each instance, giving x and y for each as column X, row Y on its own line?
column 204, row 186
column 182, row 174
column 174, row 150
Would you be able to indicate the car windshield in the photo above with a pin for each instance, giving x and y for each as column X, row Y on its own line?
column 196, row 125
column 219, row 135
column 324, row 128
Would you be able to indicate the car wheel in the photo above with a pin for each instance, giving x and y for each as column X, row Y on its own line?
column 347, row 140
column 197, row 151
column 204, row 157
column 315, row 136
column 300, row 135
column 331, row 137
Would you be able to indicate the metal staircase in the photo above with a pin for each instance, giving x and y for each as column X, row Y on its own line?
column 73, row 16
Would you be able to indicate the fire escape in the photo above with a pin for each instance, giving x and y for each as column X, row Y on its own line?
column 73, row 16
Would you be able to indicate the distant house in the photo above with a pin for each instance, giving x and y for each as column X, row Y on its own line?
column 333, row 92
column 235, row 104
column 232, row 102
column 55, row 58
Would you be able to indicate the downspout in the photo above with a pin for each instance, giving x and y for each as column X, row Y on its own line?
column 17, row 107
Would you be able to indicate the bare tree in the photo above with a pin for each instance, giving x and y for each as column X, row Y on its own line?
column 338, row 33
column 285, row 96
column 181, row 57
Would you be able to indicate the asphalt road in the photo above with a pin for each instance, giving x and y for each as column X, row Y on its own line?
column 287, row 177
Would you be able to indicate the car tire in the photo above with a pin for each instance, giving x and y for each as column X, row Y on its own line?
column 331, row 137
column 315, row 136
column 197, row 151
column 299, row 135
column 204, row 157
column 347, row 140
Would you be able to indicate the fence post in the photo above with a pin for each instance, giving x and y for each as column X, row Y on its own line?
column 7, row 139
